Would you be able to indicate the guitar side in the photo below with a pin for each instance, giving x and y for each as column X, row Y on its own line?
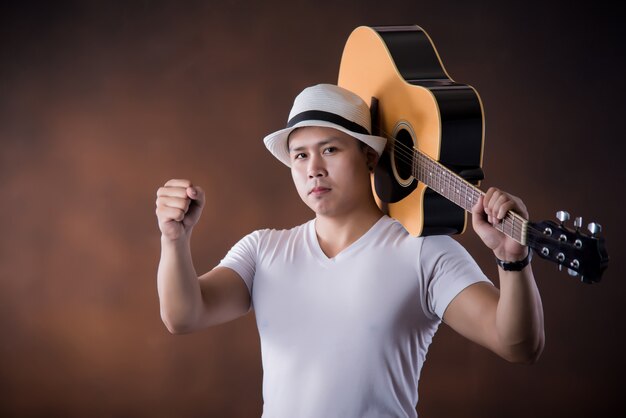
column 423, row 108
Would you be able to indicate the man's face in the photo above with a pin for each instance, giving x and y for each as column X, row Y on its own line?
column 330, row 170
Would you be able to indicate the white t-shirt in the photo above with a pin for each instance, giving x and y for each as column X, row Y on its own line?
column 347, row 336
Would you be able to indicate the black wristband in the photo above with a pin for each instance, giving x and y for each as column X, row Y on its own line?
column 515, row 265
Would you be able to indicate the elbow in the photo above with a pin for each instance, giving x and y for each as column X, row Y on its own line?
column 536, row 353
column 176, row 326
column 527, row 353
column 530, row 358
column 177, row 330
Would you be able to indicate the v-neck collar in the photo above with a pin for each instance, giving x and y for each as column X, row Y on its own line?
column 359, row 242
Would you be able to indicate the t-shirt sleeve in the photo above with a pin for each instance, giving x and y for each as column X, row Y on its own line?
column 447, row 268
column 242, row 258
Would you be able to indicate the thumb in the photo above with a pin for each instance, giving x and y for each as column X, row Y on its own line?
column 478, row 213
column 196, row 194
column 482, row 227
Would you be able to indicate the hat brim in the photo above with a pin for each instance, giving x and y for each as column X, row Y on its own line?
column 276, row 142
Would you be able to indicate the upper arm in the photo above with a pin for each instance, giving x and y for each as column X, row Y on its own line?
column 472, row 313
column 225, row 296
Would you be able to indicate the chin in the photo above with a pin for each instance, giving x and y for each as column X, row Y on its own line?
column 323, row 209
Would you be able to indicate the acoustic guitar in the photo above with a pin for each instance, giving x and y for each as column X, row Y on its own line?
column 429, row 173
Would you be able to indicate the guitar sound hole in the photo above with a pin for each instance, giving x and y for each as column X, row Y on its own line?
column 403, row 157
column 393, row 179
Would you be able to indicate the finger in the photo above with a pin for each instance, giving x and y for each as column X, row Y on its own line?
column 487, row 196
column 478, row 212
column 500, row 206
column 173, row 202
column 497, row 198
column 184, row 183
column 488, row 199
column 501, row 203
column 172, row 191
column 166, row 214
column 197, row 194
column 479, row 205
column 504, row 208
column 519, row 207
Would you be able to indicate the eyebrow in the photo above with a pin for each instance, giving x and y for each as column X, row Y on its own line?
column 317, row 144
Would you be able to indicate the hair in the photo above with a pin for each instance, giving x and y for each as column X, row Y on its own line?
column 364, row 146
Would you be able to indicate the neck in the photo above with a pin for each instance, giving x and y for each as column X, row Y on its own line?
column 335, row 233
column 459, row 191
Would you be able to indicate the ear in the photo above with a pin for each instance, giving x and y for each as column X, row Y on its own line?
column 371, row 157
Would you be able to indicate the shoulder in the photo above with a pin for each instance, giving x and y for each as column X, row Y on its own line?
column 273, row 233
column 260, row 242
column 392, row 229
column 276, row 237
column 442, row 254
column 442, row 244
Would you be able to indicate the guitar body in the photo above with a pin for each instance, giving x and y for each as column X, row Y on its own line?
column 428, row 174
column 398, row 71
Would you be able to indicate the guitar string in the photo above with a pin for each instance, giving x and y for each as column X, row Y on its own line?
column 449, row 178
column 407, row 155
column 447, row 184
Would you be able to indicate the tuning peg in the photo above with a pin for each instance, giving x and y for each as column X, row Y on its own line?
column 560, row 257
column 578, row 222
column 562, row 216
column 575, row 264
column 594, row 228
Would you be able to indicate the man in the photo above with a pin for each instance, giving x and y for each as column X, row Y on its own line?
column 347, row 304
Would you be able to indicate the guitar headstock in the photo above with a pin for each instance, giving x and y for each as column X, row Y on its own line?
column 582, row 254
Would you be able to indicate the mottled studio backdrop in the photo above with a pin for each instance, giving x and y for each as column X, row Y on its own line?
column 102, row 102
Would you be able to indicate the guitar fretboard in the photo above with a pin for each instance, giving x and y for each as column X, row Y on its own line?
column 459, row 191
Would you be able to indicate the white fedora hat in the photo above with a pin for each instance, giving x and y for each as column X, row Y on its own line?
column 329, row 106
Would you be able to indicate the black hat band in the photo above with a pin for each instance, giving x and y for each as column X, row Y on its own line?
column 327, row 117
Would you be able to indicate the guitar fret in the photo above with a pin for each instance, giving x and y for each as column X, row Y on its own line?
column 512, row 229
column 510, row 224
column 462, row 193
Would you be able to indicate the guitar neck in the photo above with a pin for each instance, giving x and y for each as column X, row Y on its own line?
column 410, row 92
column 464, row 194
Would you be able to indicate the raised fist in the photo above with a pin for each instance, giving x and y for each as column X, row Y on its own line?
column 178, row 208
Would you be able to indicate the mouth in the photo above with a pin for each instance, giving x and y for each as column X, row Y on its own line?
column 319, row 190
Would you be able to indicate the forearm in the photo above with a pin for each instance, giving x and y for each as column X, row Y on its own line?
column 519, row 316
column 180, row 297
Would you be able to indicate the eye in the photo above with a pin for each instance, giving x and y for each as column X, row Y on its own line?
column 299, row 156
column 330, row 150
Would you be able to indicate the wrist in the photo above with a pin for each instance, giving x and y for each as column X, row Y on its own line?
column 511, row 255
column 514, row 263
column 179, row 241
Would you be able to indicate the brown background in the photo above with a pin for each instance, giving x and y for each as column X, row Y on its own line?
column 101, row 103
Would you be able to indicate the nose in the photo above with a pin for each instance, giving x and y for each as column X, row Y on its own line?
column 316, row 167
